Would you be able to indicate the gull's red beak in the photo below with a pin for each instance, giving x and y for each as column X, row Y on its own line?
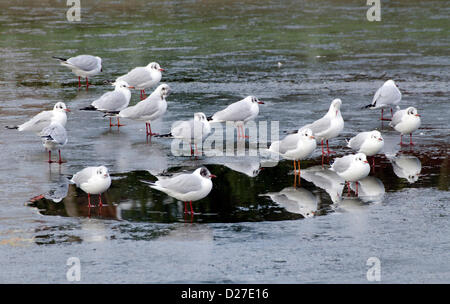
column 260, row 102
column 418, row 115
column 366, row 161
column 130, row 87
column 312, row 137
column 212, row 176
column 380, row 139
column 161, row 69
column 105, row 175
column 67, row 110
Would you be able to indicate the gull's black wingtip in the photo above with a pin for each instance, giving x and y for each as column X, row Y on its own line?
column 11, row 127
column 60, row 58
column 89, row 108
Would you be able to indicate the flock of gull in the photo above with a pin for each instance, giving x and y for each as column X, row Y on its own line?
column 189, row 187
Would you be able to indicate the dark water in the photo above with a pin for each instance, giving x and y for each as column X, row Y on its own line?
column 254, row 226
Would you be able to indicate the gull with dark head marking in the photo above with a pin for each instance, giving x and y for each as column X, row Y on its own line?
column 83, row 66
column 93, row 180
column 186, row 187
column 328, row 126
column 112, row 102
column 149, row 109
column 369, row 143
column 387, row 96
column 351, row 168
column 143, row 77
column 406, row 122
column 54, row 137
column 44, row 119
column 239, row 112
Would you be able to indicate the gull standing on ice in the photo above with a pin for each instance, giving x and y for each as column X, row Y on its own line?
column 386, row 96
column 149, row 109
column 192, row 131
column 239, row 112
column 369, row 143
column 44, row 119
column 351, row 168
column 112, row 102
column 83, row 66
column 186, row 187
column 54, row 137
column 143, row 77
column 328, row 126
column 93, row 180
column 406, row 121
column 295, row 147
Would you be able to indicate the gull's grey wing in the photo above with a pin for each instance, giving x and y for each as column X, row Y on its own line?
column 83, row 176
column 84, row 62
column 397, row 118
column 288, row 143
column 188, row 129
column 387, row 94
column 183, row 183
column 136, row 76
column 356, row 142
column 55, row 132
column 238, row 111
column 342, row 164
column 111, row 101
column 39, row 121
column 142, row 108
column 319, row 126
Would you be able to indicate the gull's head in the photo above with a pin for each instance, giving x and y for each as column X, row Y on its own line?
column 390, row 82
column 204, row 172
column 360, row 158
column 306, row 133
column 60, row 107
column 376, row 136
column 164, row 90
column 155, row 66
column 200, row 116
column 335, row 106
column 253, row 100
column 102, row 171
column 121, row 84
column 412, row 112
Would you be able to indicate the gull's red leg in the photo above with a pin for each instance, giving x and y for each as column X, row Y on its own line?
column 356, row 188
column 382, row 111
column 50, row 156
column 89, row 200
column 60, row 161
column 100, row 200
column 110, row 123
column 295, row 169
column 410, row 140
column 143, row 94
column 150, row 130
column 328, row 149
column 348, row 188
column 79, row 81
column 192, row 210
column 87, row 83
column 185, row 207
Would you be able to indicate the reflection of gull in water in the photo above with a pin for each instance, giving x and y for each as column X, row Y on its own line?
column 93, row 230
column 326, row 179
column 371, row 189
column 57, row 193
column 295, row 200
column 407, row 166
column 350, row 204
column 250, row 167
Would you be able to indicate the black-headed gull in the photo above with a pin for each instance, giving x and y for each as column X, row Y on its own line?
column 191, row 131
column 143, row 77
column 406, row 122
column 328, row 126
column 186, row 187
column 93, row 180
column 295, row 147
column 369, row 143
column 351, row 168
column 54, row 137
column 149, row 109
column 83, row 66
column 44, row 119
column 407, row 166
column 387, row 96
column 239, row 112
column 112, row 102
column 295, row 200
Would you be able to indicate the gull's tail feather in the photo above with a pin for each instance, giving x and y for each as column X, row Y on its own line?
column 89, row 108
column 209, row 118
column 59, row 58
column 112, row 113
column 12, row 127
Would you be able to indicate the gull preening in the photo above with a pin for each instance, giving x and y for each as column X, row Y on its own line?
column 239, row 112
column 369, row 143
column 351, row 168
column 112, row 102
column 406, row 122
column 93, row 180
column 54, row 137
column 329, row 126
column 186, row 187
column 143, row 77
column 149, row 109
column 295, row 147
column 44, row 119
column 191, row 131
column 387, row 96
column 82, row 66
